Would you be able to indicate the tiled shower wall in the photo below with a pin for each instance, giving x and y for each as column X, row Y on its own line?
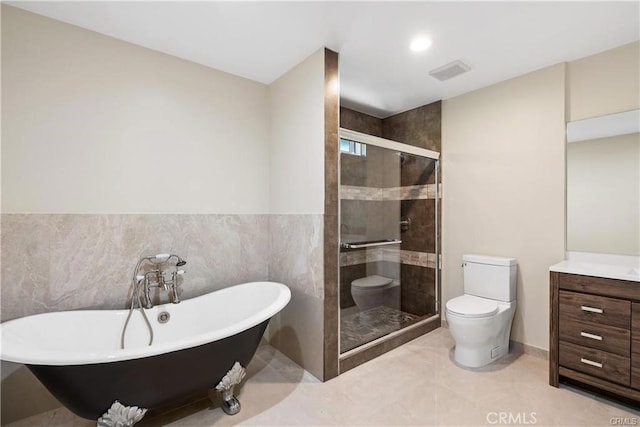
column 55, row 262
column 419, row 127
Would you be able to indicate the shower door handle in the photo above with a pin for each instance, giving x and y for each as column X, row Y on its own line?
column 359, row 245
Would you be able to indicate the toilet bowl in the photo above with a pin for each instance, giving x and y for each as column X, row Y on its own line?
column 481, row 328
column 480, row 320
column 375, row 291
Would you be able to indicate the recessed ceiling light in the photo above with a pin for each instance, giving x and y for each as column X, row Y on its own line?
column 420, row 43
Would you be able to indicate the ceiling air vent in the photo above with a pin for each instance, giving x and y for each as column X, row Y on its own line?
column 450, row 70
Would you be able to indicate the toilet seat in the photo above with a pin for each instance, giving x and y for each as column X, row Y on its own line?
column 371, row 282
column 470, row 306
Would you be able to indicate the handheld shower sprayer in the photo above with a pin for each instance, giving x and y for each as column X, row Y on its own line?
column 160, row 258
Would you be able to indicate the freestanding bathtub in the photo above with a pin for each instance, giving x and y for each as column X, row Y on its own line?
column 77, row 355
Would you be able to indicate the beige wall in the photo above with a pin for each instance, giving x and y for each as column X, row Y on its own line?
column 603, row 195
column 296, row 123
column 94, row 124
column 296, row 162
column 604, row 83
column 503, row 174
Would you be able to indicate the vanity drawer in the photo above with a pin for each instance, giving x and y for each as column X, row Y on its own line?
column 613, row 288
column 609, row 366
column 595, row 308
column 593, row 335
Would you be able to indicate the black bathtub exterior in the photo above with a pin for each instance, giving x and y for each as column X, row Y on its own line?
column 152, row 382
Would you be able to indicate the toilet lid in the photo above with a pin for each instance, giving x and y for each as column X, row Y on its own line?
column 370, row 282
column 470, row 306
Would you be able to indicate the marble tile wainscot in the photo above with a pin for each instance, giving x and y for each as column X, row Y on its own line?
column 54, row 262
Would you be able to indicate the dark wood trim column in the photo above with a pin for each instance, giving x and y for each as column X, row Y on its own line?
column 331, row 182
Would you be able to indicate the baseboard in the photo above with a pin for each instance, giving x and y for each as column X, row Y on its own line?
column 519, row 347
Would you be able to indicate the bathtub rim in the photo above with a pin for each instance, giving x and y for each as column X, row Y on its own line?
column 19, row 354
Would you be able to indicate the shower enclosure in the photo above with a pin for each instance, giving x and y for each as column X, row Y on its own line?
column 389, row 240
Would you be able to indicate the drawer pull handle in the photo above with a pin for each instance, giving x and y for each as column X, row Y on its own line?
column 591, row 362
column 592, row 309
column 592, row 336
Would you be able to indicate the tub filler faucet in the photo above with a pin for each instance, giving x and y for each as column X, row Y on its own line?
column 163, row 275
column 156, row 277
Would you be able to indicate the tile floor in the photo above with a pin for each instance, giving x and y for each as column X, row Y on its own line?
column 417, row 384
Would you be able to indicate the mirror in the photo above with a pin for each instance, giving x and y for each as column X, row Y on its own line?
column 603, row 184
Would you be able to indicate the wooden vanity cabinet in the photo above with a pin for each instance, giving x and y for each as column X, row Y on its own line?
column 595, row 334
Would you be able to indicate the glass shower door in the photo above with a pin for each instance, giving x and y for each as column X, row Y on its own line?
column 388, row 235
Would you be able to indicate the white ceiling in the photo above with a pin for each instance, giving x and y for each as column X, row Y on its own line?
column 378, row 72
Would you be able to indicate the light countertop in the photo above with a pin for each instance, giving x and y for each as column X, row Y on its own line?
column 603, row 266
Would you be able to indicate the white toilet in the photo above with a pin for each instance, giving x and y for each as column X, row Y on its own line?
column 375, row 291
column 480, row 320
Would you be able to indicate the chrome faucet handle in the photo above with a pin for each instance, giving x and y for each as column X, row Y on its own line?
column 174, row 295
column 174, row 286
column 147, row 293
column 148, row 284
column 162, row 281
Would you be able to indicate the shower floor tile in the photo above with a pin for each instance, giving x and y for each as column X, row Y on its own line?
column 362, row 327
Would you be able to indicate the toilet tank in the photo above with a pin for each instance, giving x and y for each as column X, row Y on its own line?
column 490, row 277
